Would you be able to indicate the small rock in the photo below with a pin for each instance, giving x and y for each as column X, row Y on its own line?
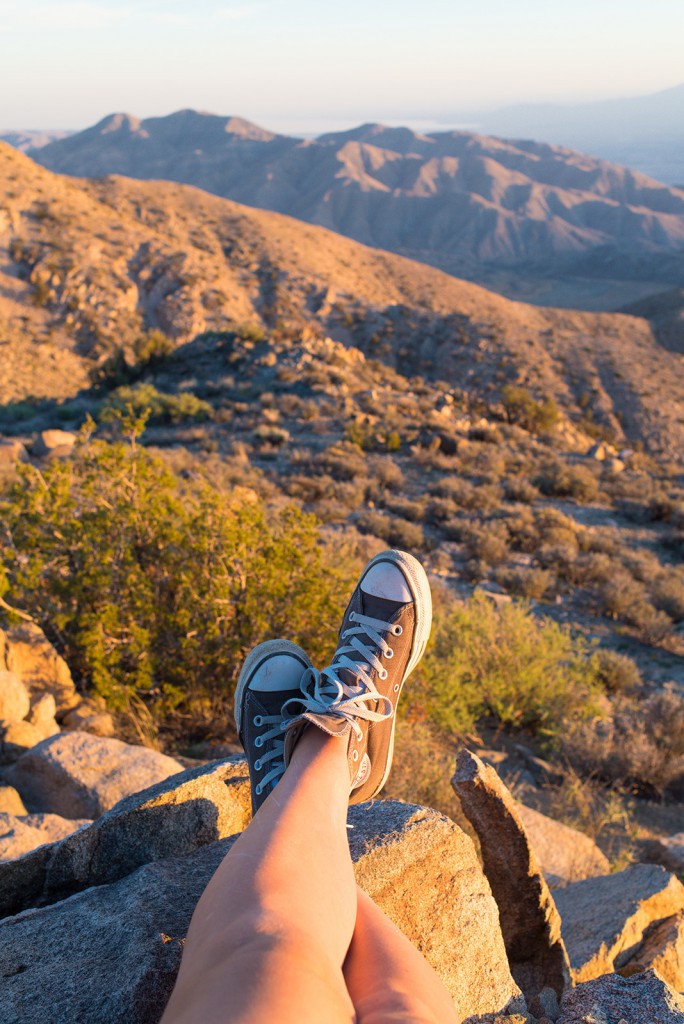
column 668, row 851
column 14, row 700
column 90, row 716
column 30, row 655
column 42, row 715
column 611, row 999
column 20, row 835
column 663, row 951
column 17, row 739
column 82, row 776
column 564, row 854
column 602, row 451
column 10, row 801
column 605, row 919
column 615, row 466
column 11, row 452
column 53, row 442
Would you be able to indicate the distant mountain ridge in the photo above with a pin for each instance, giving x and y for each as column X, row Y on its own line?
column 475, row 206
column 643, row 132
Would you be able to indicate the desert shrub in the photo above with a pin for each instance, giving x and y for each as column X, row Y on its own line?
column 526, row 581
column 156, row 588
column 502, row 661
column 558, row 480
column 270, row 434
column 344, row 461
column 667, row 594
column 394, row 530
column 521, row 408
column 407, row 508
column 127, row 364
column 162, row 408
column 488, row 542
column 625, row 598
column 519, row 488
column 637, row 744
column 616, row 673
column 602, row 814
column 385, row 472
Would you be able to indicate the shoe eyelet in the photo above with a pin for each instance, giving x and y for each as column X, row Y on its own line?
column 352, row 617
column 383, row 673
column 397, row 630
column 258, row 742
column 389, row 653
column 257, row 790
column 355, row 755
column 257, row 765
column 396, row 687
column 257, row 720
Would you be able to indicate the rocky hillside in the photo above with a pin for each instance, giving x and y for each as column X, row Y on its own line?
column 88, row 266
column 531, row 220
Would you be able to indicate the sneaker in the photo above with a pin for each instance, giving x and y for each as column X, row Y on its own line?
column 382, row 638
column 272, row 673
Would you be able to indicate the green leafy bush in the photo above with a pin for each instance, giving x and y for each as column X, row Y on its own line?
column 502, row 661
column 162, row 408
column 158, row 591
column 521, row 408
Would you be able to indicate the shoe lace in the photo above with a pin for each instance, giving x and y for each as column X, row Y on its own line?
column 346, row 688
column 275, row 753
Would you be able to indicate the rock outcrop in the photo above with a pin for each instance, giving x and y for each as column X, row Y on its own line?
column 605, row 919
column 564, row 854
column 422, row 870
column 184, row 812
column 112, row 950
column 643, row 999
column 53, row 442
column 78, row 775
column 530, row 922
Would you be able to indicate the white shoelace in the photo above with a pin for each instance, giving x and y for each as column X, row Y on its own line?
column 325, row 692
column 276, row 753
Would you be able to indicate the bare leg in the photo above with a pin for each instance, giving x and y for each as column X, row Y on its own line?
column 270, row 934
column 388, row 979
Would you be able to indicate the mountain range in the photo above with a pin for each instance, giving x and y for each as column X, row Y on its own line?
column 530, row 220
column 86, row 267
column 642, row 132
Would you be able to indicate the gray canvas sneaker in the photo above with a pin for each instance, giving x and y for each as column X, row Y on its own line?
column 272, row 673
column 382, row 638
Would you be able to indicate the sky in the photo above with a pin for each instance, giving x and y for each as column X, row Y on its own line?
column 307, row 66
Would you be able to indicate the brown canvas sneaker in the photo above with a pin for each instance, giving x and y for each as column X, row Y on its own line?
column 272, row 673
column 382, row 638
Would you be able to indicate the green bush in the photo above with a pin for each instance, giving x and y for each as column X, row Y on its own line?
column 163, row 408
column 158, row 591
column 521, row 408
column 502, row 661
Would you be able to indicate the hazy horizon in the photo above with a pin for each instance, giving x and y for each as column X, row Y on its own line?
column 298, row 69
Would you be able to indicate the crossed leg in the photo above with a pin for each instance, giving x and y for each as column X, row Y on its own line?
column 282, row 933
